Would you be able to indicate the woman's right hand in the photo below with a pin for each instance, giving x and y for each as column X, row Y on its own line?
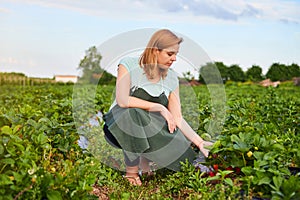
column 169, row 118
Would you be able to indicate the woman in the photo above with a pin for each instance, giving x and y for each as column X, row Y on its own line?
column 145, row 119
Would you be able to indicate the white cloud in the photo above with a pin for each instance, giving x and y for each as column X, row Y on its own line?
column 234, row 10
column 102, row 8
column 225, row 10
column 4, row 10
column 13, row 61
column 9, row 61
column 284, row 11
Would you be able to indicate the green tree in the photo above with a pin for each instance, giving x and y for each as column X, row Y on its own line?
column 278, row 72
column 209, row 73
column 90, row 66
column 254, row 73
column 294, row 71
column 223, row 70
column 236, row 73
column 107, row 78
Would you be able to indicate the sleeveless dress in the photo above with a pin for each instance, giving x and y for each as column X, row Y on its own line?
column 143, row 133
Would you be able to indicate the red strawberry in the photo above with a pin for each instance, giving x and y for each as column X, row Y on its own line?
column 216, row 167
column 237, row 170
column 229, row 168
column 211, row 174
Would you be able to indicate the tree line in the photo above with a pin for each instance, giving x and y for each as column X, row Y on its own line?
column 15, row 78
column 92, row 72
column 276, row 72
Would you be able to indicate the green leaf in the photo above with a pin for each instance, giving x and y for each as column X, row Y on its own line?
column 125, row 196
column 241, row 146
column 45, row 120
column 217, row 144
column 226, row 172
column 11, row 150
column 213, row 178
column 32, row 123
column 9, row 161
column 277, row 195
column 229, row 181
column 6, row 130
column 258, row 155
column 263, row 142
column 270, row 155
column 5, row 180
column 54, row 195
column 16, row 138
column 242, row 136
column 255, row 139
column 1, row 149
column 260, row 163
column 235, row 138
column 18, row 177
column 277, row 180
column 42, row 138
column 21, row 147
column 278, row 147
column 265, row 180
column 247, row 170
column 291, row 186
column 16, row 129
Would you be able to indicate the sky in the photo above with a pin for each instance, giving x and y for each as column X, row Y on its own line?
column 43, row 38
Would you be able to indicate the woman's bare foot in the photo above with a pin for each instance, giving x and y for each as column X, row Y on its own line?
column 132, row 175
column 133, row 180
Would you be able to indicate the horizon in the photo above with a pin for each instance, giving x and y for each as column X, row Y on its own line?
column 196, row 77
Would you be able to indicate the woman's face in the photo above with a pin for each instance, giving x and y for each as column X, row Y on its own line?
column 166, row 57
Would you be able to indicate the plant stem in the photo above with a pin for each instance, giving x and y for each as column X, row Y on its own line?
column 245, row 163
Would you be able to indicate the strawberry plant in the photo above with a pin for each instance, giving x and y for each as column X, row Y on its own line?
column 257, row 141
column 39, row 154
column 255, row 154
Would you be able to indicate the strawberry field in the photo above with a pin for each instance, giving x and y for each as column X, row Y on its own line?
column 256, row 154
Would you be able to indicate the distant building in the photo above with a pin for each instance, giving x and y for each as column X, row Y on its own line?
column 66, row 78
column 268, row 82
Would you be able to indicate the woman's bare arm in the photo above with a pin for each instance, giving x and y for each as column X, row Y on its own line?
column 175, row 109
column 124, row 99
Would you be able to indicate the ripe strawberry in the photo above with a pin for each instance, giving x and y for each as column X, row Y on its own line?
column 211, row 174
column 237, row 170
column 216, row 167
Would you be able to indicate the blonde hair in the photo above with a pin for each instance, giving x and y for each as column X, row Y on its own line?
column 160, row 40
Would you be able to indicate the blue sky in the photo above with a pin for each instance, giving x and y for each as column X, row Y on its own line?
column 45, row 38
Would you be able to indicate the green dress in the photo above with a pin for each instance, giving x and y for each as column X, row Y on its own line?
column 143, row 133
